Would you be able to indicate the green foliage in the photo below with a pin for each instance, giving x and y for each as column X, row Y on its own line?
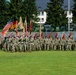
column 3, row 13
column 29, row 10
column 74, row 12
column 35, row 27
column 15, row 9
column 55, row 13
column 38, row 63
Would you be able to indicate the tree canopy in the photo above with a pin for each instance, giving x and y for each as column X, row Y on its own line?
column 13, row 9
column 55, row 13
column 74, row 12
column 3, row 12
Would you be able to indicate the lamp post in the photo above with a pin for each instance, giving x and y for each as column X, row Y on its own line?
column 40, row 29
column 40, row 24
column 68, row 16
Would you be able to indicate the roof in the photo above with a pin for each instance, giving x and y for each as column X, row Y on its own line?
column 42, row 4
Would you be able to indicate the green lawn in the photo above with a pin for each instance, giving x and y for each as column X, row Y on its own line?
column 38, row 63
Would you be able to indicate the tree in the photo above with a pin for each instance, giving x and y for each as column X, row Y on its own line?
column 55, row 13
column 3, row 13
column 74, row 12
column 15, row 9
column 29, row 10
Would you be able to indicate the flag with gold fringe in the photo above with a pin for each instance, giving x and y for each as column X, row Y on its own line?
column 14, row 25
column 20, row 24
column 25, row 27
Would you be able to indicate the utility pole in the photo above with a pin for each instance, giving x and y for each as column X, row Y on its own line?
column 68, row 16
column 40, row 29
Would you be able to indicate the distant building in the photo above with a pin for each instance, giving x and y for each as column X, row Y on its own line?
column 70, row 15
column 42, row 5
column 42, row 15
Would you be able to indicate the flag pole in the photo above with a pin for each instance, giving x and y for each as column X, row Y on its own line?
column 26, row 27
column 68, row 16
column 30, row 27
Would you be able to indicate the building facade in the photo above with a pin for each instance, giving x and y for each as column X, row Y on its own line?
column 42, row 15
column 42, row 5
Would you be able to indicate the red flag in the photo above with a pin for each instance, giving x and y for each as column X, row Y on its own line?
column 6, row 28
column 17, row 33
column 30, row 27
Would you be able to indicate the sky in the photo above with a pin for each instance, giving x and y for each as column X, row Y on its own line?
column 43, row 3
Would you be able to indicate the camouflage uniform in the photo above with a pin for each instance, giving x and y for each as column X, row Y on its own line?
column 72, row 44
column 39, row 44
column 48, row 44
column 65, row 44
column 57, row 44
column 52, row 44
column 31, row 44
column 69, row 44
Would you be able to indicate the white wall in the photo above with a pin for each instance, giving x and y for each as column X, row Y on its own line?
column 70, row 15
column 42, row 17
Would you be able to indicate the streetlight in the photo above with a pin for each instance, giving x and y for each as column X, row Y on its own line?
column 68, row 16
column 40, row 29
column 40, row 24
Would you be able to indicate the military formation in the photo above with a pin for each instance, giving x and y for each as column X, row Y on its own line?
column 24, row 44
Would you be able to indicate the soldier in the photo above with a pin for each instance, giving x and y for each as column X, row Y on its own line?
column 65, row 44
column 13, row 47
column 48, row 44
column 24, row 44
column 2, row 42
column 62, row 42
column 72, row 43
column 13, row 44
column 4, row 45
column 39, row 44
column 52, row 43
column 31, row 44
column 20, row 44
column 57, row 43
column 69, row 43
column 45, row 43
column 42, row 44
column 36, row 44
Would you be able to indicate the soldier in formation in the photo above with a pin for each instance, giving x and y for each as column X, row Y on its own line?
column 23, row 44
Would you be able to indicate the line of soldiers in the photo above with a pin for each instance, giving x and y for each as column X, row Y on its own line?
column 15, row 44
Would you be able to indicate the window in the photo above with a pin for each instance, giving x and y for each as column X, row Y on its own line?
column 69, row 12
column 38, row 13
column 42, row 13
column 42, row 19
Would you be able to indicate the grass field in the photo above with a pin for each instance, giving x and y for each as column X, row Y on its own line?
column 38, row 63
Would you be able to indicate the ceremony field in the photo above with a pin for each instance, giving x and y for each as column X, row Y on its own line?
column 38, row 63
